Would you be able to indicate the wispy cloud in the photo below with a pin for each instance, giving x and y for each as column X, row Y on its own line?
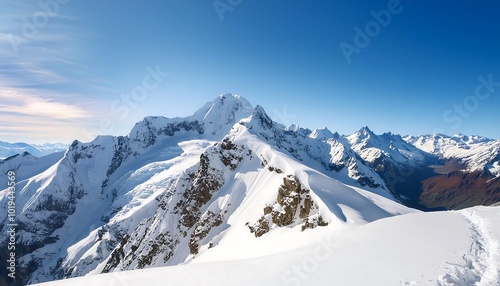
column 33, row 37
column 26, row 102
column 41, row 98
column 38, row 129
column 33, row 115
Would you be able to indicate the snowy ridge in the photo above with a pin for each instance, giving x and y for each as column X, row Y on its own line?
column 323, row 134
column 25, row 165
column 333, row 156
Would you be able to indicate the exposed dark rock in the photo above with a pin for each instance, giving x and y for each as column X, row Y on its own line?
column 149, row 133
column 261, row 227
column 366, row 181
column 121, row 153
column 79, row 151
column 203, row 227
column 171, row 128
column 293, row 206
column 207, row 181
column 275, row 169
column 157, row 246
column 231, row 154
column 116, row 256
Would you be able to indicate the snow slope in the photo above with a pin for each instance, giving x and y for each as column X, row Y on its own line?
column 441, row 248
column 26, row 166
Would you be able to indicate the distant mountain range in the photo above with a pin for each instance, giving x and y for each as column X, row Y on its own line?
column 37, row 150
column 182, row 190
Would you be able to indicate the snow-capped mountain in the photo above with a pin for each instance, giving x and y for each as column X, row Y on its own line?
column 476, row 153
column 468, row 173
column 399, row 164
column 224, row 182
column 37, row 150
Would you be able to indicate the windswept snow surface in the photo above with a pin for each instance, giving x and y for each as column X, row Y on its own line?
column 441, row 248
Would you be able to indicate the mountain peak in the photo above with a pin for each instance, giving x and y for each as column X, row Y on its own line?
column 219, row 115
column 366, row 131
column 322, row 134
column 224, row 102
column 438, row 135
column 362, row 134
column 230, row 97
column 215, row 118
column 292, row 127
column 262, row 118
column 364, row 137
column 233, row 100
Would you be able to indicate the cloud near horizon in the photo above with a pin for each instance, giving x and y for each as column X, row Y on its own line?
column 37, row 79
column 26, row 113
column 21, row 102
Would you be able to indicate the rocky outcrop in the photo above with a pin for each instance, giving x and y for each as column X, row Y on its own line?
column 203, row 227
column 293, row 206
column 207, row 180
column 147, row 131
column 121, row 153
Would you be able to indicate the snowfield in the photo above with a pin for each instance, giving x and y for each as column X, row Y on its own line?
column 439, row 248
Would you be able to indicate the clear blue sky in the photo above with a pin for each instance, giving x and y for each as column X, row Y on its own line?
column 68, row 69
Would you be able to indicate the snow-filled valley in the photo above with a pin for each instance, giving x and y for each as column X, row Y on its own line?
column 226, row 196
